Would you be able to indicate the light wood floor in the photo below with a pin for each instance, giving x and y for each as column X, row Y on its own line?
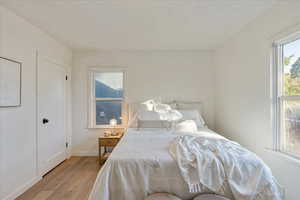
column 71, row 180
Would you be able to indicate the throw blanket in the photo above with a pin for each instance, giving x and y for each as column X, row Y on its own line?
column 211, row 161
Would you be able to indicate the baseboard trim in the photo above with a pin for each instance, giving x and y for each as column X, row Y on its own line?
column 20, row 190
column 84, row 153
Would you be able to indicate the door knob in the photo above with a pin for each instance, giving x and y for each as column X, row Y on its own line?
column 45, row 121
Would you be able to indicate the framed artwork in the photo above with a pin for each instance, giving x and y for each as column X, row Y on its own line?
column 10, row 82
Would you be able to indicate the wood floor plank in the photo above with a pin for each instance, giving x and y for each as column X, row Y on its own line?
column 70, row 185
column 43, row 195
column 71, row 180
column 50, row 177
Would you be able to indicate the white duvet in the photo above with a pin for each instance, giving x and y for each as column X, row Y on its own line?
column 141, row 165
column 210, row 161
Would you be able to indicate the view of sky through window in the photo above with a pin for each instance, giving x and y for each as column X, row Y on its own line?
column 111, row 79
column 109, row 84
column 292, row 50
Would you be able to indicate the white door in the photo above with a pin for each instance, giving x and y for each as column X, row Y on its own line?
column 51, row 114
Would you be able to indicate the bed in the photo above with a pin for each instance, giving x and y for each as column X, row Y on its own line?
column 141, row 164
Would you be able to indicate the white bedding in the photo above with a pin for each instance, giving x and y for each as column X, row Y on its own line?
column 141, row 165
column 138, row 166
column 211, row 161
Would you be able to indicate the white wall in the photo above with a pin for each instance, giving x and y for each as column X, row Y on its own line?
column 19, row 40
column 181, row 75
column 243, row 100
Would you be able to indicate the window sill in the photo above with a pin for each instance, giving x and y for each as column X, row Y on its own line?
column 287, row 157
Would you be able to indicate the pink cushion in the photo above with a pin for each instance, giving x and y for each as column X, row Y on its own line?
column 210, row 197
column 162, row 196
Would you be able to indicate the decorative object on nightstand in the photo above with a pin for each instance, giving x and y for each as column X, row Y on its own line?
column 108, row 141
column 113, row 122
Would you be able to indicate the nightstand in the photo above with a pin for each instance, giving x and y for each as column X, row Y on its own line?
column 107, row 141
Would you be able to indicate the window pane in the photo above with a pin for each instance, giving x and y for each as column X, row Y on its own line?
column 109, row 84
column 291, row 127
column 291, row 68
column 107, row 110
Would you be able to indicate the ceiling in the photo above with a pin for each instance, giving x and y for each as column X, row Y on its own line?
column 140, row 24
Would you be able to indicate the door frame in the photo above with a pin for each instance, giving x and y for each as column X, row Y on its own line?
column 67, row 115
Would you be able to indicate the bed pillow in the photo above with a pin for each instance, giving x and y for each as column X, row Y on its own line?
column 193, row 115
column 162, row 108
column 158, row 124
column 151, row 119
column 146, row 115
column 148, row 105
column 186, row 126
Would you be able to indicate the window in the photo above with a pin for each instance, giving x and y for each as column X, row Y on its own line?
column 287, row 93
column 107, row 98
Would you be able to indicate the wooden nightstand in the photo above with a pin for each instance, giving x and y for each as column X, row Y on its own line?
column 107, row 141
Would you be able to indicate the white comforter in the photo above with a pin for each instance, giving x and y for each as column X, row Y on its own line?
column 211, row 161
column 141, row 165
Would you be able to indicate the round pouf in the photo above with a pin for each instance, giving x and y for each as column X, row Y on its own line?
column 210, row 197
column 161, row 196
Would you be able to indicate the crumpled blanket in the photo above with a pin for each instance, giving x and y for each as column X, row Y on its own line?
column 212, row 161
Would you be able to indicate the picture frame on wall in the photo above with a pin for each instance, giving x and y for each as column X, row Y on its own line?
column 10, row 82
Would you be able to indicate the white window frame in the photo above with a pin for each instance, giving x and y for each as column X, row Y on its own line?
column 278, row 95
column 92, row 98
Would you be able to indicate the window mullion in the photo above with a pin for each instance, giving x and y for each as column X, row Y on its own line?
column 278, row 92
column 109, row 99
column 290, row 98
column 279, row 60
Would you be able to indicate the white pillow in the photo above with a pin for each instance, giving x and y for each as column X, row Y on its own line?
column 149, row 104
column 162, row 108
column 148, row 115
column 158, row 124
column 186, row 126
column 193, row 115
column 171, row 115
column 150, row 119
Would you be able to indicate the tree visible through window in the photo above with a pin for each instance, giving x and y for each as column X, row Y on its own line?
column 108, row 97
column 288, row 96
